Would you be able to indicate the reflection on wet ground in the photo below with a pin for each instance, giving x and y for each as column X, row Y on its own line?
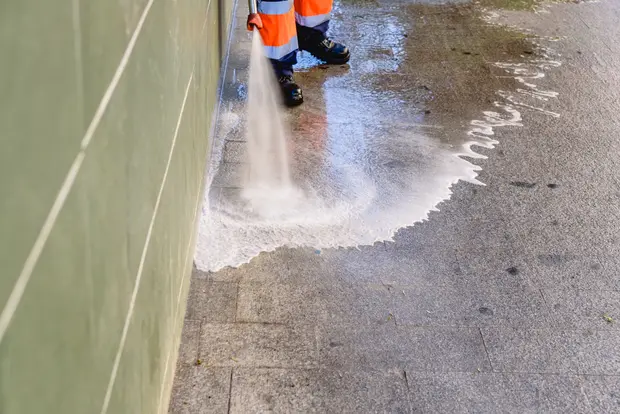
column 528, row 5
column 376, row 146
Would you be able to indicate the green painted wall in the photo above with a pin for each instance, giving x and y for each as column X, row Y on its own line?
column 105, row 114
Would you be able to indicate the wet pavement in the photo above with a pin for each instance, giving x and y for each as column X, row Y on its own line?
column 504, row 300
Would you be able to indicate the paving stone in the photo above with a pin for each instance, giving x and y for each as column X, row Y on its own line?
column 375, row 303
column 586, row 309
column 385, row 346
column 484, row 256
column 496, row 393
column 200, row 390
column 190, row 340
column 603, row 394
column 489, row 257
column 361, row 304
column 295, row 303
column 229, row 175
column 364, row 391
column 393, row 266
column 379, row 264
column 609, row 265
column 235, row 152
column 261, row 390
column 212, row 301
column 281, row 303
column 556, row 269
column 347, row 347
column 502, row 268
column 572, row 237
column 332, row 264
column 239, row 60
column 281, row 265
column 415, row 260
column 301, row 265
column 470, row 307
column 258, row 345
column 297, row 391
column 592, row 352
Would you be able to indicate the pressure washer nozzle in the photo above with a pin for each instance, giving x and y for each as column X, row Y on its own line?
column 254, row 21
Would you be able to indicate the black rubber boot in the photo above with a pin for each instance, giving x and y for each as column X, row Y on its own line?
column 330, row 52
column 321, row 47
column 291, row 92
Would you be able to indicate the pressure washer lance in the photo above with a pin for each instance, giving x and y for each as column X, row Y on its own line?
column 254, row 20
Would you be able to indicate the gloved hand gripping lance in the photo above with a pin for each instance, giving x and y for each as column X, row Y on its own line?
column 254, row 20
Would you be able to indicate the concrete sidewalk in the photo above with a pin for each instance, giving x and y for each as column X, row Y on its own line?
column 506, row 300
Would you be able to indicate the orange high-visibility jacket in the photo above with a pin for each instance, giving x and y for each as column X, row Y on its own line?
column 279, row 33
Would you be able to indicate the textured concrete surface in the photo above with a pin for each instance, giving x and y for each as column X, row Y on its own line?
column 506, row 300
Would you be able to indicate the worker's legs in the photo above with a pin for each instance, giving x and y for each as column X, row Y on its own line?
column 279, row 36
column 312, row 17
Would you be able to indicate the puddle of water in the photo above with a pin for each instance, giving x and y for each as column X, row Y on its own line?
column 521, row 5
column 378, row 144
column 511, row 4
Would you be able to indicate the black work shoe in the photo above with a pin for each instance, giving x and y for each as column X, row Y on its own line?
column 291, row 92
column 329, row 51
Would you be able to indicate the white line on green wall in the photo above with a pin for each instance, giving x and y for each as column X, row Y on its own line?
column 160, row 407
column 136, row 288
column 33, row 257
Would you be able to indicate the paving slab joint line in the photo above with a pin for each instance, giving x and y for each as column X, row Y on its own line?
column 200, row 340
column 423, row 371
column 585, row 396
column 406, row 379
column 486, row 349
column 232, row 372
column 236, row 302
column 392, row 317
column 242, row 322
column 557, row 374
column 542, row 294
column 192, row 320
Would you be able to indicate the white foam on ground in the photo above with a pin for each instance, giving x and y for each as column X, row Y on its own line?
column 346, row 207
